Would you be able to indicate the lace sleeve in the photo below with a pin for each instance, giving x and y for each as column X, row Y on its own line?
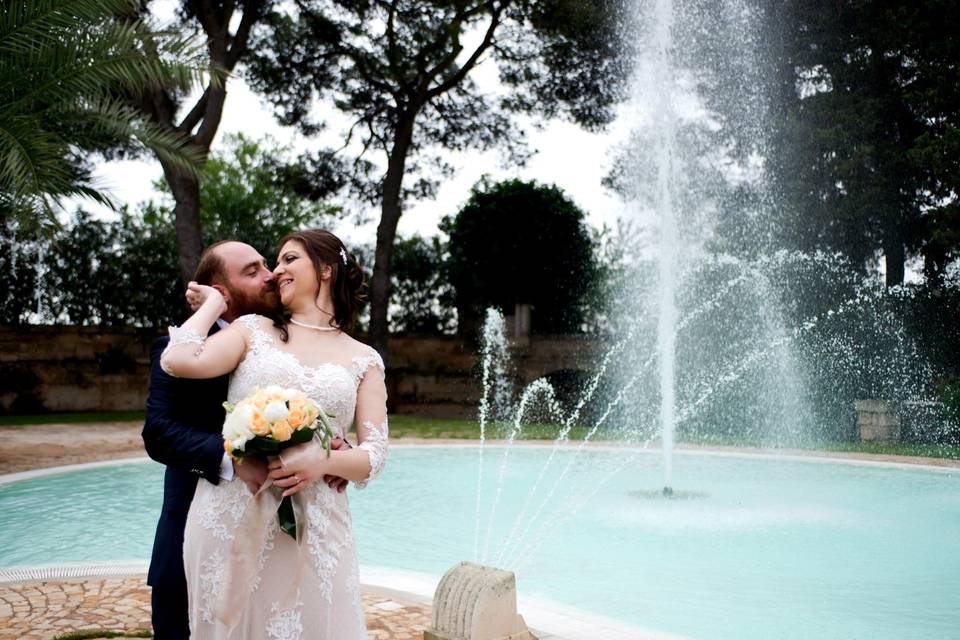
column 371, row 416
column 254, row 325
column 192, row 354
column 178, row 336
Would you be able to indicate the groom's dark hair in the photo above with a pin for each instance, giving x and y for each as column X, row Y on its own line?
column 210, row 266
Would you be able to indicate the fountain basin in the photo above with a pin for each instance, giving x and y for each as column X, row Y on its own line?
column 770, row 547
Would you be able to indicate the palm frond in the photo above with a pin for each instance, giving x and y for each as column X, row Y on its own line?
column 114, row 118
column 33, row 213
column 111, row 58
column 68, row 69
column 29, row 156
column 27, row 24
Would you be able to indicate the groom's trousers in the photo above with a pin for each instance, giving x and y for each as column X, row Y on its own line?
column 182, row 431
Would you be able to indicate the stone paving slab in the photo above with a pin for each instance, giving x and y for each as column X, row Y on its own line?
column 41, row 610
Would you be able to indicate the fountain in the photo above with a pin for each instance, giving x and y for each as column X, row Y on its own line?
column 664, row 123
column 734, row 356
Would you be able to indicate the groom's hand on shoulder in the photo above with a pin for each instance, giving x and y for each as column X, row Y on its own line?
column 253, row 472
column 336, row 483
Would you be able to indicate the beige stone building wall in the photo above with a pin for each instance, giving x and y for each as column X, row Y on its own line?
column 73, row 369
column 92, row 369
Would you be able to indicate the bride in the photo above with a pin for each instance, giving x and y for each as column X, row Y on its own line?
column 244, row 580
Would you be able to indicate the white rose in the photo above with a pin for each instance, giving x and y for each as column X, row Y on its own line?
column 240, row 441
column 244, row 414
column 229, row 426
column 236, row 428
column 276, row 411
column 290, row 394
column 273, row 390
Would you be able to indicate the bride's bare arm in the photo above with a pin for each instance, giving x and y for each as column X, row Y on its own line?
column 191, row 354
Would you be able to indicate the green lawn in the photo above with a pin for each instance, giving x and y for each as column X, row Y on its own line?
column 72, row 418
column 418, row 427
column 413, row 426
column 879, row 448
column 898, row 448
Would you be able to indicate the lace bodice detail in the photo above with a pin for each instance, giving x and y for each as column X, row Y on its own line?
column 337, row 386
column 332, row 385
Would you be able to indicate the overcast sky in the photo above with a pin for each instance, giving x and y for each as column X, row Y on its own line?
column 566, row 155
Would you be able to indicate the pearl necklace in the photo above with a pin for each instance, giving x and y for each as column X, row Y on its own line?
column 313, row 326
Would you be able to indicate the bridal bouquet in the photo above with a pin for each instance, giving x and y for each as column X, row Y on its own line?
column 269, row 421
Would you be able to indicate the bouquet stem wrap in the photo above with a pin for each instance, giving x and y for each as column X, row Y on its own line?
column 264, row 424
column 242, row 563
column 270, row 421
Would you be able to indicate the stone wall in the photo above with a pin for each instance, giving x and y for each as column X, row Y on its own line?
column 877, row 421
column 91, row 369
column 73, row 369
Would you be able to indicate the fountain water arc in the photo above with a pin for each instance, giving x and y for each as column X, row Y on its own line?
column 713, row 345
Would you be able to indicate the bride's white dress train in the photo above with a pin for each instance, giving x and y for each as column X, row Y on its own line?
column 310, row 591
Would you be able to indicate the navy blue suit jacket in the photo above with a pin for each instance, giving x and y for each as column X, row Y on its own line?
column 183, row 431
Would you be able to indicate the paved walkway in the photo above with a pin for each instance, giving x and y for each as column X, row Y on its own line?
column 42, row 610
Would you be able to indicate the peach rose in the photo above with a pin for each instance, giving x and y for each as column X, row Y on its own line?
column 259, row 424
column 297, row 404
column 282, row 431
column 295, row 419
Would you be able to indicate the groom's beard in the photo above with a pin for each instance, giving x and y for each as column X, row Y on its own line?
column 266, row 303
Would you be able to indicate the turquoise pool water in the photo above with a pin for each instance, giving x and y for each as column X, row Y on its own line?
column 761, row 548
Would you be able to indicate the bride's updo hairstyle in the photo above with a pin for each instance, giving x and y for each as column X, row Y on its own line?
column 347, row 280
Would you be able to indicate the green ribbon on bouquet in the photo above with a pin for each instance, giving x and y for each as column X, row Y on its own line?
column 263, row 447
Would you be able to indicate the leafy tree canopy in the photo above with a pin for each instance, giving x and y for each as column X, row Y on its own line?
column 403, row 72
column 868, row 121
column 522, row 242
column 422, row 299
column 129, row 265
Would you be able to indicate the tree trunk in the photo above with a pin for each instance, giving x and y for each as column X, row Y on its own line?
column 160, row 105
column 894, row 256
column 186, row 214
column 391, row 208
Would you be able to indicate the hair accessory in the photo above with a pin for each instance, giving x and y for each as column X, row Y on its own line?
column 343, row 255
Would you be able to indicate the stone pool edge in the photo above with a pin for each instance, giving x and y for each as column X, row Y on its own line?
column 942, row 465
column 546, row 618
column 19, row 476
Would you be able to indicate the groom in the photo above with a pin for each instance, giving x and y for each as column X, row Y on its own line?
column 182, row 430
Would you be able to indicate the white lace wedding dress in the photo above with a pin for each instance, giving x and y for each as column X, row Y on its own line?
column 305, row 591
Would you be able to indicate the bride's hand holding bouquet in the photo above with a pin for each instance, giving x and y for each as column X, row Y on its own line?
column 298, row 467
column 271, row 421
